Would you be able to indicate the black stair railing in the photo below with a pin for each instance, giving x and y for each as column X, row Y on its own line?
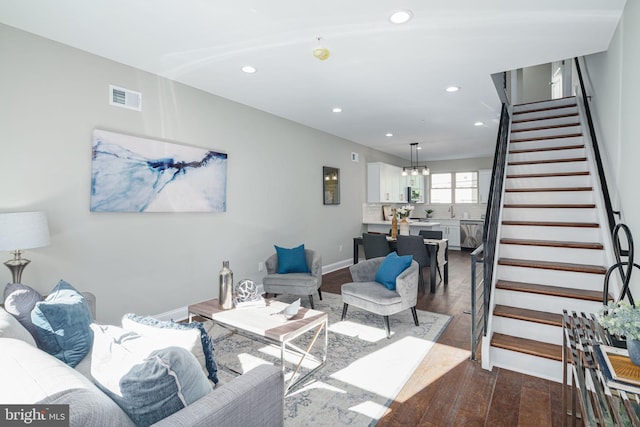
column 485, row 254
column 624, row 268
column 596, row 151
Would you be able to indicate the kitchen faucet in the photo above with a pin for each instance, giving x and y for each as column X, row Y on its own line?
column 451, row 210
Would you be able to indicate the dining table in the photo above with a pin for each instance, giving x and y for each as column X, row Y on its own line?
column 432, row 248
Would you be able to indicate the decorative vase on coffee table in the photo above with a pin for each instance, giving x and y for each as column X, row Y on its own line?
column 404, row 227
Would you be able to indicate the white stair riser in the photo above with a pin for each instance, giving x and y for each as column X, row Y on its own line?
column 553, row 254
column 567, row 234
column 547, row 155
column 550, row 214
column 544, row 104
column 545, row 122
column 548, row 197
column 529, row 330
column 530, row 365
column 548, row 303
column 565, row 279
column 579, row 166
column 550, row 181
column 545, row 143
column 543, row 114
column 539, row 133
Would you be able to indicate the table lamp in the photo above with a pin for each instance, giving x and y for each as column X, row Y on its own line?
column 20, row 231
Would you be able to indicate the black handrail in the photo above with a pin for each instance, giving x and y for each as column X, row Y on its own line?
column 596, row 150
column 625, row 275
column 490, row 234
column 478, row 292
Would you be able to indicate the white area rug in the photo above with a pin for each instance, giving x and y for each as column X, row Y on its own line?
column 364, row 371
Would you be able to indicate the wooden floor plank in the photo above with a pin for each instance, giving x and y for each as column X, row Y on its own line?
column 432, row 396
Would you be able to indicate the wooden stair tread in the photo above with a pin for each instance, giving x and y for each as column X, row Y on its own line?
column 546, row 189
column 544, row 138
column 527, row 346
column 543, row 317
column 555, row 291
column 553, row 224
column 536, row 150
column 558, row 126
column 550, row 108
column 537, row 119
column 553, row 243
column 547, row 175
column 534, row 162
column 552, row 265
column 550, row 205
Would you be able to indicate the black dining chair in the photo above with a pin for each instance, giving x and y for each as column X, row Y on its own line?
column 431, row 234
column 414, row 245
column 375, row 245
column 437, row 235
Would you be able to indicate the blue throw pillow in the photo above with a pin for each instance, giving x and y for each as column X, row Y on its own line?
column 61, row 323
column 292, row 260
column 391, row 267
column 148, row 380
column 151, row 327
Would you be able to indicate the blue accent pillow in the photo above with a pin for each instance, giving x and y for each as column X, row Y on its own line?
column 61, row 323
column 292, row 260
column 146, row 379
column 205, row 340
column 390, row 268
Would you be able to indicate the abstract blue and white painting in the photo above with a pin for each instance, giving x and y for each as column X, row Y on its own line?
column 135, row 174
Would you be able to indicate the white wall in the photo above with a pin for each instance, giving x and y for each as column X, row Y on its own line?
column 53, row 96
column 615, row 102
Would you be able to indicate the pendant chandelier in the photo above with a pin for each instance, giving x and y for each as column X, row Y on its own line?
column 415, row 169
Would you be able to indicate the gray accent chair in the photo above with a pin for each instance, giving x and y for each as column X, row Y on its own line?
column 367, row 294
column 294, row 283
column 375, row 245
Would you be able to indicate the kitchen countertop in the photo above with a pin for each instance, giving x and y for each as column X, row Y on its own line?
column 412, row 223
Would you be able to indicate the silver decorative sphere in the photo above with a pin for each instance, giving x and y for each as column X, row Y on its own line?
column 246, row 290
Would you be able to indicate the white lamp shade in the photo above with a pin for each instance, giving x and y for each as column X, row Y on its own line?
column 23, row 230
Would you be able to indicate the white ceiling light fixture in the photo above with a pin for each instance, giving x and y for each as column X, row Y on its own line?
column 389, row 134
column 401, row 16
column 249, row 69
column 416, row 168
column 452, row 89
column 337, row 110
column 478, row 123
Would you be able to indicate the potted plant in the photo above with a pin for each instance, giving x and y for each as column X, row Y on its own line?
column 623, row 319
column 429, row 213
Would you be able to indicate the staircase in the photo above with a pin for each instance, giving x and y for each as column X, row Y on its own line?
column 550, row 247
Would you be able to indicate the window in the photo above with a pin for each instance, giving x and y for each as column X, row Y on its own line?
column 459, row 187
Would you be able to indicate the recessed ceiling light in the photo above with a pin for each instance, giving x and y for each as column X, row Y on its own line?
column 453, row 88
column 389, row 134
column 478, row 124
column 418, row 148
column 401, row 16
column 249, row 69
column 337, row 110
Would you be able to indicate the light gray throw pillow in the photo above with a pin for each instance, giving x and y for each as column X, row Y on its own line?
column 19, row 300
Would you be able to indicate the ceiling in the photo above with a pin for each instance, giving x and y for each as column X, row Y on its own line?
column 387, row 78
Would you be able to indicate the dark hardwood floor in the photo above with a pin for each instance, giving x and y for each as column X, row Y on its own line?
column 448, row 389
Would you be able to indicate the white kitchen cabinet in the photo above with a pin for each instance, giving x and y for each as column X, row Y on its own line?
column 385, row 184
column 450, row 230
column 484, row 184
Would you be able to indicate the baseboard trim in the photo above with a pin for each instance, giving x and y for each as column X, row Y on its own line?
column 336, row 266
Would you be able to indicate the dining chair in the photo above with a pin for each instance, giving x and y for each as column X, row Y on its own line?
column 414, row 245
column 437, row 235
column 375, row 245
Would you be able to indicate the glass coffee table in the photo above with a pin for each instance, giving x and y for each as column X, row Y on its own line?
column 263, row 324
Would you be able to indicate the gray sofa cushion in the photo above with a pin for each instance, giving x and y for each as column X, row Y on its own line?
column 30, row 375
column 11, row 328
column 19, row 300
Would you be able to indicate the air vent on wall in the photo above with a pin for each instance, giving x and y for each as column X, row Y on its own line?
column 126, row 98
